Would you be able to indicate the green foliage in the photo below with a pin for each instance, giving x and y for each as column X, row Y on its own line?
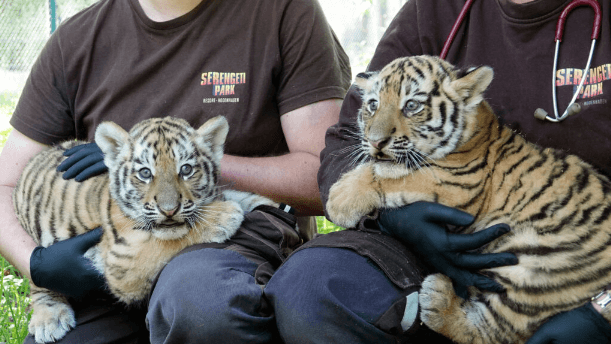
column 14, row 301
column 8, row 101
column 3, row 136
column 324, row 226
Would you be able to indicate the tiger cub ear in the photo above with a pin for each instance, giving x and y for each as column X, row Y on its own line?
column 472, row 85
column 213, row 134
column 363, row 80
column 111, row 138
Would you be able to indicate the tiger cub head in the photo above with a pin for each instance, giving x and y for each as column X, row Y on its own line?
column 163, row 172
column 416, row 109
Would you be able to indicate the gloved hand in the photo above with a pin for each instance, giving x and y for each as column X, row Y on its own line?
column 580, row 325
column 420, row 226
column 84, row 161
column 62, row 267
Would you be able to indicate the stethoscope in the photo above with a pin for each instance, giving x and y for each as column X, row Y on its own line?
column 573, row 107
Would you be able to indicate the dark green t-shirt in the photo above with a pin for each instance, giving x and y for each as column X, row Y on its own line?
column 249, row 60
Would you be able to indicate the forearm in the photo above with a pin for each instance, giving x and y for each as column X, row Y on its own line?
column 289, row 178
column 15, row 244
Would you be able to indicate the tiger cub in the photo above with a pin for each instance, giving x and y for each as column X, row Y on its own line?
column 160, row 195
column 429, row 136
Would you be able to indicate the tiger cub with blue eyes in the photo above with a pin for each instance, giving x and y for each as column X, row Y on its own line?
column 160, row 195
column 427, row 134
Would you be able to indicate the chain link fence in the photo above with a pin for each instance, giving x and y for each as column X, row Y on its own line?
column 23, row 31
column 25, row 26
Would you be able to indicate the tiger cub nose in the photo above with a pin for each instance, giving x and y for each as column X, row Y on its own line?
column 380, row 143
column 168, row 212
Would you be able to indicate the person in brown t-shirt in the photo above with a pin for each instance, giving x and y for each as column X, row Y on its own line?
column 516, row 38
column 273, row 68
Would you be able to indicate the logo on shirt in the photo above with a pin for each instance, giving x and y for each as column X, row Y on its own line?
column 223, row 86
column 593, row 84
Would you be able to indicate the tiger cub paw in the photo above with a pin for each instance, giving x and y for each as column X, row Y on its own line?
column 50, row 323
column 343, row 213
column 350, row 200
column 229, row 217
column 437, row 298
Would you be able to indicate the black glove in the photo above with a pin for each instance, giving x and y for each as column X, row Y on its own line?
column 84, row 161
column 62, row 267
column 580, row 325
column 421, row 227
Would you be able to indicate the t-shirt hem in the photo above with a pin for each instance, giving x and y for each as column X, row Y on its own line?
column 307, row 98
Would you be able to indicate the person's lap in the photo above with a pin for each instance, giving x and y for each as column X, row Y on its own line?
column 319, row 295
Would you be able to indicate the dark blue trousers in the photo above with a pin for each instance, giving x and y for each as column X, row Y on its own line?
column 319, row 295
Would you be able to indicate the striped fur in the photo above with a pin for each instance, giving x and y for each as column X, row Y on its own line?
column 427, row 135
column 160, row 196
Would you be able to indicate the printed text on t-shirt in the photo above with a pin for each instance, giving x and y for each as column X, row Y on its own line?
column 223, row 83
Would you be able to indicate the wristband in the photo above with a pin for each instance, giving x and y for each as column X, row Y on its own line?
column 603, row 299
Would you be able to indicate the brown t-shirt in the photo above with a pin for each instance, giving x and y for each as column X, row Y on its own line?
column 518, row 42
column 249, row 60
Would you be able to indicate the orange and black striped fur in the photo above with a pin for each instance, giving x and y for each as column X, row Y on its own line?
column 427, row 135
column 160, row 195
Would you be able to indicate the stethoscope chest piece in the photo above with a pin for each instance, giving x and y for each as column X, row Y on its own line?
column 573, row 107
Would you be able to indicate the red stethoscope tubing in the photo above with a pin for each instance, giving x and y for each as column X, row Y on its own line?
column 576, row 3
column 455, row 27
column 559, row 26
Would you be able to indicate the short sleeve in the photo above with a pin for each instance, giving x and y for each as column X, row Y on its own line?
column 314, row 65
column 43, row 112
